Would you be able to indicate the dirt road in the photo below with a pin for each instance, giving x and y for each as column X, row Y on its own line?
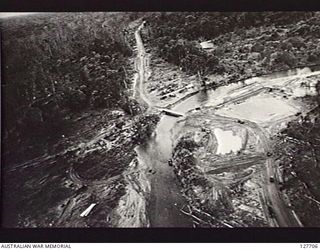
column 141, row 76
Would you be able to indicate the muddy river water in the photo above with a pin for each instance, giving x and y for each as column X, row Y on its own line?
column 166, row 198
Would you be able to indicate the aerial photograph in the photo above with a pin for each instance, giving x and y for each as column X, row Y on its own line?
column 160, row 119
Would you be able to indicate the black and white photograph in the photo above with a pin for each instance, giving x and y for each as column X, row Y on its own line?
column 160, row 119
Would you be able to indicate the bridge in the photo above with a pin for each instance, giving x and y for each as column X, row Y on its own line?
column 170, row 112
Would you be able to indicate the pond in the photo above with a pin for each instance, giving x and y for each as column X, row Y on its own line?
column 227, row 141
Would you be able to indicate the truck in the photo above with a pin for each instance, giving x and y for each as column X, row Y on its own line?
column 271, row 179
column 270, row 211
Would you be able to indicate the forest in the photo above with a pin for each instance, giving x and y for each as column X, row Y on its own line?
column 55, row 66
column 176, row 37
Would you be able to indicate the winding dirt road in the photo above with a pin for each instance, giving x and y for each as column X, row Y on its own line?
column 141, row 70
